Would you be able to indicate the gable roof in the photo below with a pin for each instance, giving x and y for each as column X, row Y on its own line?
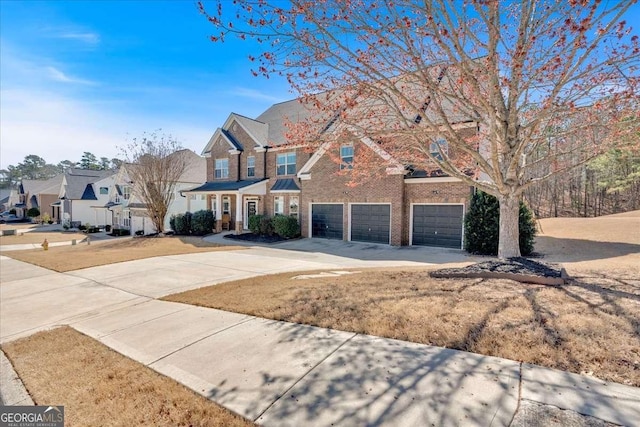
column 277, row 116
column 88, row 193
column 196, row 167
column 77, row 180
column 394, row 167
column 257, row 130
column 44, row 186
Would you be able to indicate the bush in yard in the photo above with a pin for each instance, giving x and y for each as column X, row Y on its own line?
column 182, row 223
column 46, row 218
column 527, row 226
column 481, row 226
column 33, row 212
column 202, row 222
column 286, row 226
column 266, row 226
column 254, row 223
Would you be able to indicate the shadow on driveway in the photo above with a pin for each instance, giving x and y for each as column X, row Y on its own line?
column 362, row 251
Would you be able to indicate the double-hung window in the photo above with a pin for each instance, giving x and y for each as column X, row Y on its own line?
column 278, row 205
column 222, row 169
column 346, row 157
column 286, row 164
column 294, row 206
column 251, row 166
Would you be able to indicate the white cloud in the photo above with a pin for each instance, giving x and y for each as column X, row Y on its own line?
column 255, row 94
column 84, row 37
column 59, row 76
column 56, row 127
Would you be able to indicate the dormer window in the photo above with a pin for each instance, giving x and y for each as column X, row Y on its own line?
column 221, row 169
column 439, row 147
column 346, row 157
column 286, row 164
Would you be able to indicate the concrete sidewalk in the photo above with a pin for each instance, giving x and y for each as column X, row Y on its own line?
column 284, row 374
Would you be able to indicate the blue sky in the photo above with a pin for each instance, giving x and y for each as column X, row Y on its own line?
column 81, row 76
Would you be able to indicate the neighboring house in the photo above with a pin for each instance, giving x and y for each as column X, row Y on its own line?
column 129, row 212
column 5, row 196
column 41, row 194
column 81, row 192
column 253, row 169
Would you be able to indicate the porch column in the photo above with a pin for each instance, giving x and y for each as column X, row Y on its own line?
column 218, row 212
column 189, row 202
column 239, row 213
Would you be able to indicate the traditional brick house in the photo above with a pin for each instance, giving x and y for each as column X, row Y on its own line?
column 253, row 169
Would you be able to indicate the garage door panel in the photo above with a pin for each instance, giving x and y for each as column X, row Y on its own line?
column 326, row 221
column 370, row 223
column 437, row 225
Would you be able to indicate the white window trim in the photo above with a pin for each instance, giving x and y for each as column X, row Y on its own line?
column 297, row 214
column 343, row 165
column 275, row 204
column 286, row 156
column 215, row 168
column 253, row 167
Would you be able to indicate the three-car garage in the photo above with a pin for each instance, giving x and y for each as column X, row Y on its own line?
column 439, row 225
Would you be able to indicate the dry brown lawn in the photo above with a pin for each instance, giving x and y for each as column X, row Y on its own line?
column 591, row 325
column 98, row 386
column 39, row 236
column 67, row 258
column 593, row 246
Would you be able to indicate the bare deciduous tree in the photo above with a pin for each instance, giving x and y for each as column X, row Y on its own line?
column 155, row 165
column 409, row 73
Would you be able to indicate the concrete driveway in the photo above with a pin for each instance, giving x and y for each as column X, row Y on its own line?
column 34, row 298
column 282, row 374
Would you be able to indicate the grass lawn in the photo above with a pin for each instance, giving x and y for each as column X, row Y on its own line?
column 68, row 258
column 591, row 325
column 39, row 236
column 98, row 386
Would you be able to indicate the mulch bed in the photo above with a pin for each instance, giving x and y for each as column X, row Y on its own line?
column 520, row 269
column 250, row 237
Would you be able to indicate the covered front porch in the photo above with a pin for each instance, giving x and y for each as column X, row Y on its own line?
column 233, row 202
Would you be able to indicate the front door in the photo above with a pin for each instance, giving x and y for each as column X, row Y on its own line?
column 250, row 208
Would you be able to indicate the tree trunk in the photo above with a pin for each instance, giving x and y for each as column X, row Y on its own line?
column 509, row 243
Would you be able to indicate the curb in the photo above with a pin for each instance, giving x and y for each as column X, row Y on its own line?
column 12, row 391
